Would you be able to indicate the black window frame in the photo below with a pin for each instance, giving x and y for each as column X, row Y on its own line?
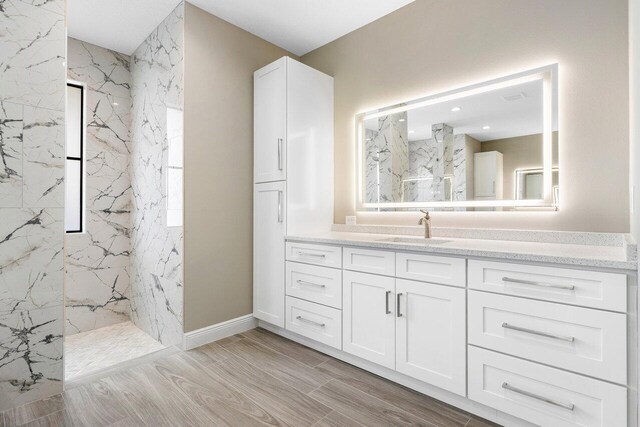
column 79, row 159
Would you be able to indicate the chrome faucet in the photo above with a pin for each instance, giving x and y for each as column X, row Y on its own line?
column 426, row 220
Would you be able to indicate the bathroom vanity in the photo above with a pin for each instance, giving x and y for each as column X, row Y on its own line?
column 544, row 332
column 519, row 327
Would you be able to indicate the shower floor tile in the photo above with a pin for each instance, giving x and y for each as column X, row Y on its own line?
column 89, row 352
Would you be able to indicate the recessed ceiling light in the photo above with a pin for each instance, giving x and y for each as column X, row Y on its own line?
column 487, row 127
column 401, row 120
column 115, row 104
column 412, row 131
column 456, row 109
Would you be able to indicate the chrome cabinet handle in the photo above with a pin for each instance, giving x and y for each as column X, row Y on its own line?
column 308, row 254
column 302, row 282
column 280, row 154
column 311, row 322
column 505, row 325
column 398, row 305
column 532, row 283
column 386, row 302
column 279, row 206
column 569, row 406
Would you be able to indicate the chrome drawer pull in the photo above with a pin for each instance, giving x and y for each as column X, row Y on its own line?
column 315, row 255
column 311, row 322
column 386, row 302
column 532, row 283
column 302, row 282
column 398, row 314
column 569, row 406
column 280, row 154
column 534, row 332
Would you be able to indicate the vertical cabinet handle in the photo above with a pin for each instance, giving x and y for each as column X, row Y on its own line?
column 386, row 302
column 398, row 305
column 279, row 206
column 280, row 154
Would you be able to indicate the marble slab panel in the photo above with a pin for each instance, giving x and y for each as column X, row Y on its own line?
column 96, row 298
column 43, row 165
column 31, row 260
column 108, row 187
column 32, row 53
column 31, row 366
column 108, row 123
column 105, row 244
column 101, row 69
column 11, row 124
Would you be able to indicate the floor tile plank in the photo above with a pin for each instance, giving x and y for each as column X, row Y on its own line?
column 296, row 374
column 284, row 402
column 209, row 354
column 225, row 404
column 422, row 406
column 96, row 404
column 287, row 347
column 155, row 401
column 336, row 419
column 367, row 409
column 32, row 411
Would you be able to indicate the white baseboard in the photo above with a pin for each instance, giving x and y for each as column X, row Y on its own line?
column 218, row 331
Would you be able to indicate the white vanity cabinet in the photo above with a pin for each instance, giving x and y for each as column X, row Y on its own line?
column 416, row 328
column 514, row 342
column 293, row 172
column 269, row 223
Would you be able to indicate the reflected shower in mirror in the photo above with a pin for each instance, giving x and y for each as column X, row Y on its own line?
column 484, row 146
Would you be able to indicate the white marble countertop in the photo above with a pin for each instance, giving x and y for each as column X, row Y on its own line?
column 590, row 255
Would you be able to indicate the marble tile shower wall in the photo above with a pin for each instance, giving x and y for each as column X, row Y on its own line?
column 97, row 262
column 156, row 257
column 32, row 94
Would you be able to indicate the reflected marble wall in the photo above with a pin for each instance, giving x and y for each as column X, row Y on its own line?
column 97, row 262
column 156, row 257
column 32, row 93
column 387, row 159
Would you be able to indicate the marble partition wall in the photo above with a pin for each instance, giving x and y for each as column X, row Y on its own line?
column 387, row 159
column 431, row 166
column 97, row 261
column 32, row 129
column 156, row 257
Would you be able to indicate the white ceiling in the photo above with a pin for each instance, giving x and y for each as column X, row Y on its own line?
column 506, row 118
column 300, row 26
column 120, row 25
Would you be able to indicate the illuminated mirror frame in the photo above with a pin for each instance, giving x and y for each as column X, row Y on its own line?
column 549, row 76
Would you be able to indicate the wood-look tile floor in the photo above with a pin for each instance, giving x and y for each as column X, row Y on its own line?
column 251, row 379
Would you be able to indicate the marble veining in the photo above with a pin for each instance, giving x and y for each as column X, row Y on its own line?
column 32, row 94
column 97, row 261
column 156, row 249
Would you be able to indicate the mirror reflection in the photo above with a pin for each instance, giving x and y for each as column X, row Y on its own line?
column 486, row 146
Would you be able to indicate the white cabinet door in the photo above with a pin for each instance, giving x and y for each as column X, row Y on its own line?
column 270, row 122
column 268, row 252
column 368, row 317
column 430, row 334
column 488, row 172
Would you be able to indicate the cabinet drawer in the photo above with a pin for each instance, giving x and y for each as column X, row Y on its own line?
column 542, row 395
column 328, row 256
column 584, row 340
column 433, row 269
column 369, row 261
column 579, row 287
column 321, row 285
column 314, row 321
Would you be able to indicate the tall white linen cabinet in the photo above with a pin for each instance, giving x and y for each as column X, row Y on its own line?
column 293, row 172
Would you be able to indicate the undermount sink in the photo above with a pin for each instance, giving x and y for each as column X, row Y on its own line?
column 414, row 240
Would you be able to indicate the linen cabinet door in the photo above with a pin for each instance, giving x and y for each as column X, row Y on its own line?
column 430, row 334
column 270, row 122
column 368, row 317
column 268, row 252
